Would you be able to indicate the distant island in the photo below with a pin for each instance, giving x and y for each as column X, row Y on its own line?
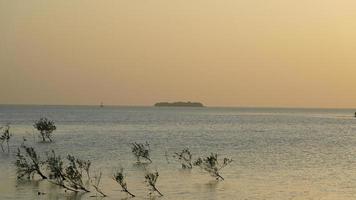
column 179, row 104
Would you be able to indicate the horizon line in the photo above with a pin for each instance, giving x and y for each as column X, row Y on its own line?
column 205, row 106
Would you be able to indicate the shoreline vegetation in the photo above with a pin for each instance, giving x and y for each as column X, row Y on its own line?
column 74, row 174
column 179, row 104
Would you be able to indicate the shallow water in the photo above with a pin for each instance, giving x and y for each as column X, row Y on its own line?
column 277, row 153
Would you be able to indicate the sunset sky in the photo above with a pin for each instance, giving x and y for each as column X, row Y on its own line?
column 220, row 52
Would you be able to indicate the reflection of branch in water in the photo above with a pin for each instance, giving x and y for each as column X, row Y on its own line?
column 212, row 185
column 153, row 197
column 27, row 182
column 125, row 198
column 75, row 196
column 166, row 155
column 140, row 165
column 55, row 192
column 33, row 185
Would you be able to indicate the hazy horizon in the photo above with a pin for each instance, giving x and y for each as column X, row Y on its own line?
column 229, row 53
column 206, row 106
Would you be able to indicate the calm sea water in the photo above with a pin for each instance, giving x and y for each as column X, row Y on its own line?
column 277, row 153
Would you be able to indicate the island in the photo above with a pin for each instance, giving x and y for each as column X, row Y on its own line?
column 179, row 104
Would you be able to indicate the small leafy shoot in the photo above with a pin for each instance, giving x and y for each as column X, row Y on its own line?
column 185, row 158
column 141, row 150
column 151, row 180
column 119, row 177
column 211, row 165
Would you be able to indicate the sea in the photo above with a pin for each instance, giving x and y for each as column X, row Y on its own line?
column 277, row 153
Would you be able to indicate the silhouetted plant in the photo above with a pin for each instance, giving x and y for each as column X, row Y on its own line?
column 141, row 150
column 84, row 165
column 5, row 137
column 151, row 179
column 212, row 166
column 73, row 173
column 46, row 128
column 67, row 176
column 29, row 164
column 119, row 177
column 185, row 157
column 95, row 182
column 55, row 165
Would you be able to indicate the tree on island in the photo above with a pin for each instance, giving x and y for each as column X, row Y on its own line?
column 179, row 104
column 46, row 128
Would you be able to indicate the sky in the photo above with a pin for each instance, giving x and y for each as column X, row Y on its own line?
column 277, row 53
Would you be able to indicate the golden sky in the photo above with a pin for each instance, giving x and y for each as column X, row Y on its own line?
column 219, row 52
